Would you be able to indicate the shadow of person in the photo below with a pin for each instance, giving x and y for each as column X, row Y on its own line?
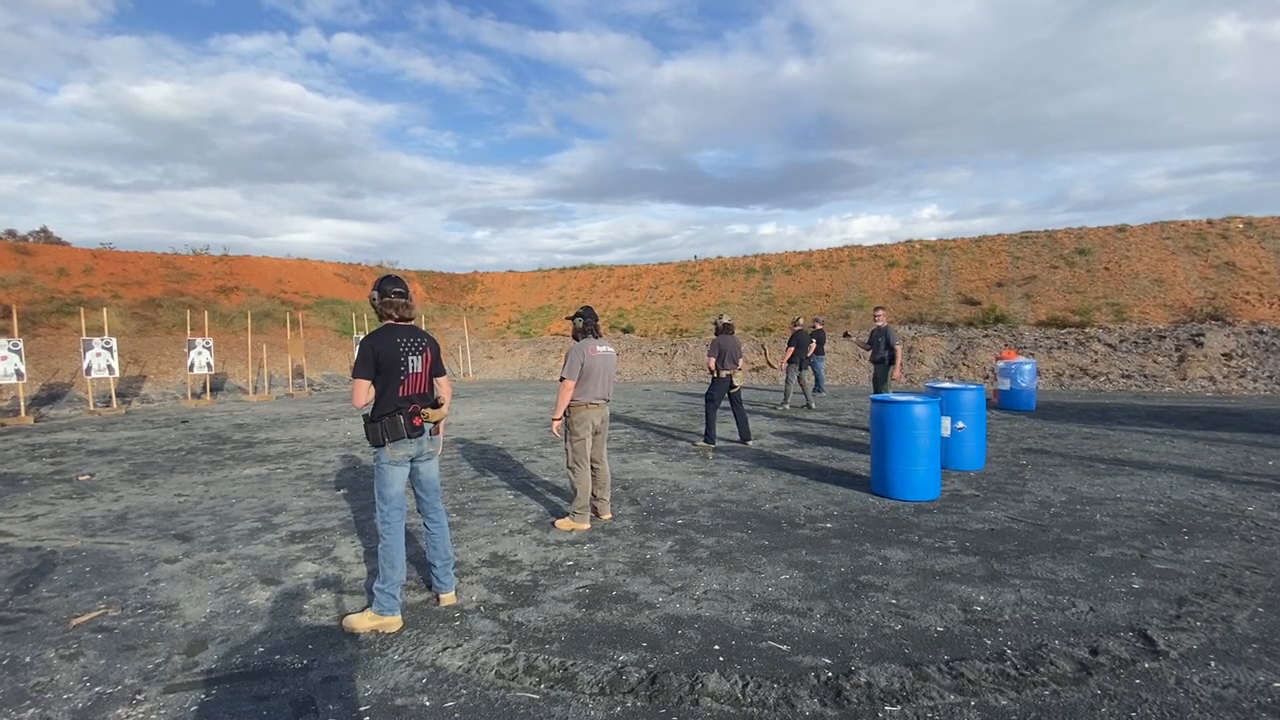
column 656, row 429
column 847, row 444
column 815, row 472
column 290, row 669
column 494, row 461
column 354, row 479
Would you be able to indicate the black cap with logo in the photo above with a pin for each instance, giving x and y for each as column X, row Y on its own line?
column 389, row 286
column 586, row 312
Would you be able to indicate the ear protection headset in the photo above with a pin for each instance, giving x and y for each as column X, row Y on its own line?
column 578, row 322
column 374, row 296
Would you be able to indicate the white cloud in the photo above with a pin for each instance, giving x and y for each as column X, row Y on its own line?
column 366, row 131
column 344, row 12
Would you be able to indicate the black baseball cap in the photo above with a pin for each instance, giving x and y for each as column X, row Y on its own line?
column 586, row 312
column 392, row 286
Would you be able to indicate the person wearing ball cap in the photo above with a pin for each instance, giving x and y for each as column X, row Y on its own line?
column 399, row 374
column 724, row 363
column 582, row 412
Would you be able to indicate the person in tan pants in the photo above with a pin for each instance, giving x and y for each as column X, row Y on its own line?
column 582, row 411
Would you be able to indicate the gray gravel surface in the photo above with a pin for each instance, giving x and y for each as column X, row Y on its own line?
column 1117, row 557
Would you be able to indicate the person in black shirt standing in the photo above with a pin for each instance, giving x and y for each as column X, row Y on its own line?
column 399, row 374
column 819, row 360
column 886, row 352
column 724, row 362
column 795, row 362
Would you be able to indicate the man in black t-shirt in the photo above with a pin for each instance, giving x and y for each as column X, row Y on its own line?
column 795, row 363
column 400, row 375
column 819, row 360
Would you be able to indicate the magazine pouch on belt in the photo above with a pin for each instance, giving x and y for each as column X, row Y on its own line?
column 396, row 426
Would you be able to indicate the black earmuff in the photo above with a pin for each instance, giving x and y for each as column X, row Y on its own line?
column 577, row 322
column 373, row 291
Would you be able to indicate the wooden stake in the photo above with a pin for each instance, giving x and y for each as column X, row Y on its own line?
column 84, row 333
column 303, row 335
column 467, row 337
column 188, row 373
column 22, row 396
column 249, row 347
column 366, row 323
column 288, row 350
column 106, row 332
column 208, row 377
column 23, row 418
column 266, row 374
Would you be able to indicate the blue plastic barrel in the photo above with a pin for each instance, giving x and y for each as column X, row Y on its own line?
column 963, row 425
column 906, row 446
column 1016, row 384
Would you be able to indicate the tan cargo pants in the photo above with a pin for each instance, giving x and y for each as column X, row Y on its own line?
column 586, row 436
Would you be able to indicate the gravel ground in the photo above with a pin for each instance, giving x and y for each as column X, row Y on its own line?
column 1117, row 557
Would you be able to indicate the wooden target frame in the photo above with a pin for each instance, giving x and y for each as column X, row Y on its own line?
column 296, row 347
column 207, row 399
column 266, row 373
column 22, row 418
column 356, row 337
column 115, row 408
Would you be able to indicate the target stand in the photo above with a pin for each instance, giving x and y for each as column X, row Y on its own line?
column 100, row 358
column 295, row 346
column 199, row 361
column 265, row 395
column 13, row 371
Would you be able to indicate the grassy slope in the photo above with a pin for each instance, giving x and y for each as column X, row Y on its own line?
column 1157, row 273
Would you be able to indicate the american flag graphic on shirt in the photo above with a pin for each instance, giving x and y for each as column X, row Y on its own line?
column 415, row 366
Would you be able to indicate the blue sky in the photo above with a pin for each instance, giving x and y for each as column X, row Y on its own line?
column 515, row 135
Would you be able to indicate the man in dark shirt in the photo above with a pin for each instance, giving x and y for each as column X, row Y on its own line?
column 886, row 352
column 724, row 362
column 795, row 362
column 400, row 373
column 819, row 360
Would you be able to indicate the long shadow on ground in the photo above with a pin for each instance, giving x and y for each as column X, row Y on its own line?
column 287, row 670
column 354, row 480
column 811, row 440
column 816, row 472
column 493, row 461
column 1237, row 477
column 1187, row 417
column 796, row 414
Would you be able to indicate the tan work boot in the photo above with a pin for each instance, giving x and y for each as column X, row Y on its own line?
column 368, row 621
column 568, row 525
column 449, row 598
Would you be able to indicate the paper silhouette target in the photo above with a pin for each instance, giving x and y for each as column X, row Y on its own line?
column 13, row 362
column 355, row 345
column 200, row 356
column 101, row 357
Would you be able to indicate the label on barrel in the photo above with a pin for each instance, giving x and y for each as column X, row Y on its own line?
column 1002, row 383
column 946, row 426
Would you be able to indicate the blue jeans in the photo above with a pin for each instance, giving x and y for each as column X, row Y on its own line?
column 818, row 363
column 395, row 467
